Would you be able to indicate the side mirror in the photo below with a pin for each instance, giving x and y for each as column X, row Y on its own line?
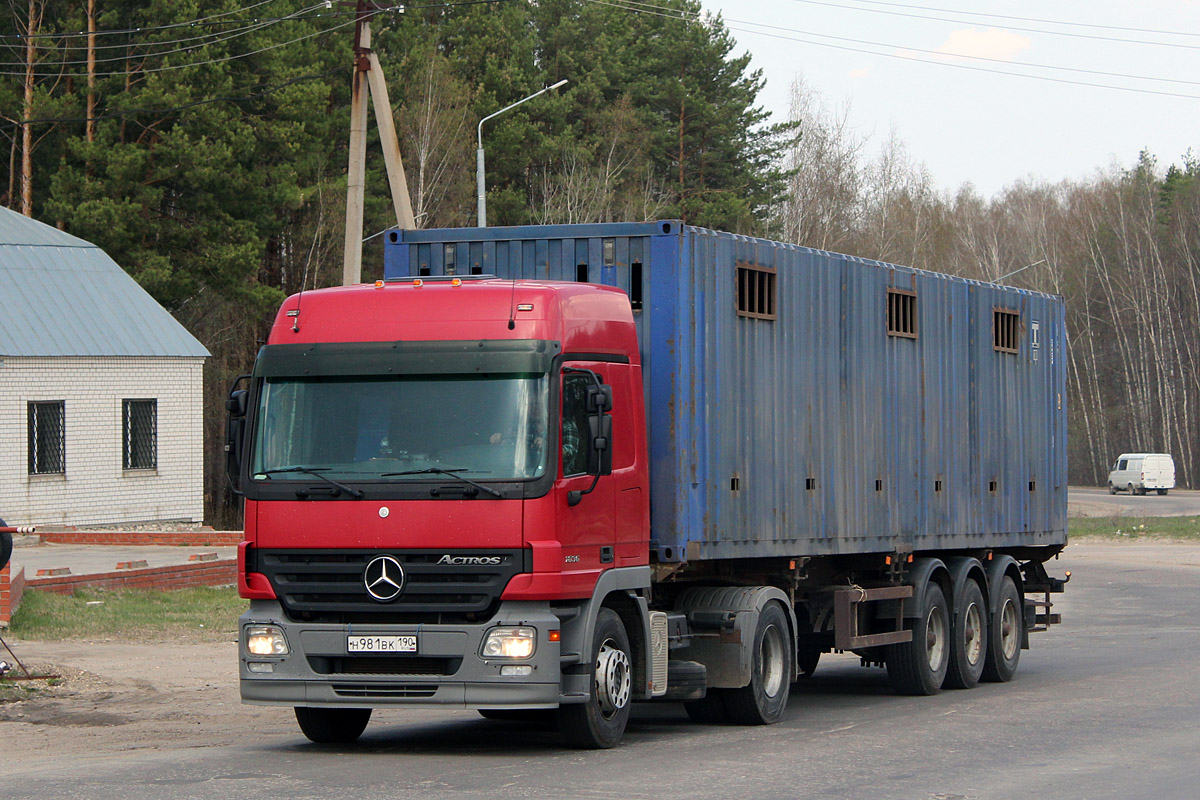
column 235, row 432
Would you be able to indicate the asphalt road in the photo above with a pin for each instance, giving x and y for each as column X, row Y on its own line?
column 1089, row 501
column 1104, row 706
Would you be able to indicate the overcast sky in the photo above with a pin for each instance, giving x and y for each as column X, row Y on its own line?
column 975, row 125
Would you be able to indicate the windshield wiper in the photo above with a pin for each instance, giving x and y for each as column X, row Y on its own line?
column 452, row 472
column 357, row 494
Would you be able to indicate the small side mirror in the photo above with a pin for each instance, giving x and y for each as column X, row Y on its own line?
column 599, row 399
column 237, row 402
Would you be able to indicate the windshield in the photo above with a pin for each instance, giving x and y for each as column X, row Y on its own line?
column 482, row 427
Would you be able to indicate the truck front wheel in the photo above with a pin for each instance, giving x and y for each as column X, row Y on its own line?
column 332, row 725
column 919, row 667
column 764, row 700
column 600, row 722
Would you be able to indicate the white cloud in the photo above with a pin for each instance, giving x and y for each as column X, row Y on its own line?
column 859, row 74
column 990, row 43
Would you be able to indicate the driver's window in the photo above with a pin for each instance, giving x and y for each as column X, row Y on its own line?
column 575, row 424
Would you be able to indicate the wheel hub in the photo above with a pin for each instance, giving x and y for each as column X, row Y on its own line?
column 613, row 679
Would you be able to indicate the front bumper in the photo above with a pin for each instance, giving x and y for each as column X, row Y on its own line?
column 446, row 670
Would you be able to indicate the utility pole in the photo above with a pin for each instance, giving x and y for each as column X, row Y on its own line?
column 368, row 77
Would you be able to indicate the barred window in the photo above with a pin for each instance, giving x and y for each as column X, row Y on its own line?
column 902, row 313
column 47, row 437
column 755, row 291
column 139, row 432
column 1006, row 330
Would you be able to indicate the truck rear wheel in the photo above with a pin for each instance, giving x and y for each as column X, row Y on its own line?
column 764, row 699
column 332, row 725
column 600, row 722
column 1005, row 631
column 919, row 667
column 968, row 639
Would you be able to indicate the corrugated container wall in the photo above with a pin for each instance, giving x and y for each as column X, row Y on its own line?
column 801, row 402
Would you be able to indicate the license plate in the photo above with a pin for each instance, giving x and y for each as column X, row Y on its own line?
column 381, row 644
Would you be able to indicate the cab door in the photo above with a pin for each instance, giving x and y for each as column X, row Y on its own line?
column 586, row 529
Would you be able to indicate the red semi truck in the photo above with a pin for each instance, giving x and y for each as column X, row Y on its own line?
column 532, row 496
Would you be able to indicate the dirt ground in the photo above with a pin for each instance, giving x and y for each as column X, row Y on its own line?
column 119, row 696
column 116, row 696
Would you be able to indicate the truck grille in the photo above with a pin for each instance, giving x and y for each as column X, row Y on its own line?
column 327, row 585
column 383, row 665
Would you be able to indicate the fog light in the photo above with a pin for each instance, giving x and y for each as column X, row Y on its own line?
column 516, row 670
column 266, row 640
column 260, row 666
column 509, row 643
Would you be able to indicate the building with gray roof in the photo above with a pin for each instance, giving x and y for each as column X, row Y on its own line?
column 100, row 389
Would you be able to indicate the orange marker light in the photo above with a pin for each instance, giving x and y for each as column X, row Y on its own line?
column 887, row 560
column 378, row 284
column 456, row 282
column 554, row 636
column 418, row 283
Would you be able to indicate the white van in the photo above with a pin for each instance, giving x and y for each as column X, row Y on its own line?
column 1138, row 472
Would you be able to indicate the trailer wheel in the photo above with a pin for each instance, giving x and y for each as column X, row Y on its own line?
column 1005, row 631
column 919, row 667
column 968, row 639
column 764, row 699
column 599, row 723
column 332, row 725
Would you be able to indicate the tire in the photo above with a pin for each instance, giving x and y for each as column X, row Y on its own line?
column 599, row 723
column 1006, row 629
column 6, row 547
column 1131, row 491
column 1162, row 492
column 764, row 699
column 968, row 638
column 332, row 725
column 919, row 667
column 1112, row 489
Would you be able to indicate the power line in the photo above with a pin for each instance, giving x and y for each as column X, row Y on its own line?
column 1011, row 27
column 1029, row 19
column 210, row 39
column 172, row 67
column 113, row 32
column 672, row 13
column 171, row 109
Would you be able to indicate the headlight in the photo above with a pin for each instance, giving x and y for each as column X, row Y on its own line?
column 266, row 640
column 509, row 643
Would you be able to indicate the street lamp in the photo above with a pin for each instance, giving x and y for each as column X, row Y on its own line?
column 481, row 201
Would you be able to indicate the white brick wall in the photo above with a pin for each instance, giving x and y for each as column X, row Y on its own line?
column 96, row 490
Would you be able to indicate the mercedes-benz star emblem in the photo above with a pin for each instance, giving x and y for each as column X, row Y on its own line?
column 384, row 578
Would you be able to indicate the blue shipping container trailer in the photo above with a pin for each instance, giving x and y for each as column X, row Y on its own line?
column 807, row 403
